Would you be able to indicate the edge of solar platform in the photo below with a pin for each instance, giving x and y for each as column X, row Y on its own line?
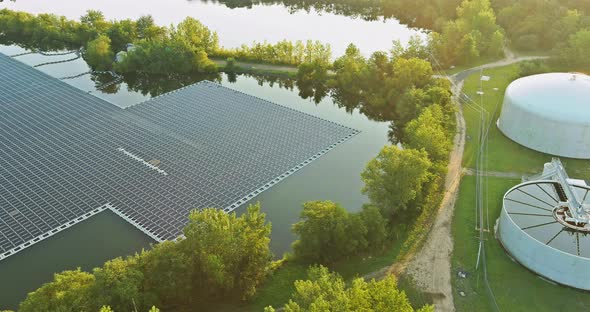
column 54, row 231
column 288, row 173
column 237, row 204
column 218, row 85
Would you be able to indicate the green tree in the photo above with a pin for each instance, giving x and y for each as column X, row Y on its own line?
column 69, row 291
column 575, row 52
column 195, row 35
column 325, row 233
column 533, row 67
column 325, row 291
column 468, row 48
column 410, row 104
column 411, row 72
column 348, row 82
column 312, row 80
column 93, row 24
column 99, row 54
column 395, row 178
column 147, row 28
column 415, row 48
column 228, row 255
column 165, row 56
column 121, row 33
column 119, row 284
column 202, row 64
column 230, row 65
column 430, row 133
column 166, row 282
column 474, row 33
column 497, row 43
column 376, row 225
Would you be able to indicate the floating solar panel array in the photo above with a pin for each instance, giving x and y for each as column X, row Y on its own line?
column 66, row 155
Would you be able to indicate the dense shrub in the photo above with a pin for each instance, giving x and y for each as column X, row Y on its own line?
column 222, row 257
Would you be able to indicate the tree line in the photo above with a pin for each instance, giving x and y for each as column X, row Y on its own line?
column 462, row 33
column 223, row 258
column 464, row 30
column 181, row 49
column 422, row 13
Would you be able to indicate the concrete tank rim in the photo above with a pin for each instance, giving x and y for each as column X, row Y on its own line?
column 536, row 272
column 527, row 234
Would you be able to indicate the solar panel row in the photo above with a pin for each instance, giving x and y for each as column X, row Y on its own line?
column 66, row 155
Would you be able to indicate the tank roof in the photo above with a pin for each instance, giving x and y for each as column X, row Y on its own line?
column 556, row 96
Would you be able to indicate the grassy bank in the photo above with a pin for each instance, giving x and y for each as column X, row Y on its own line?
column 254, row 68
column 279, row 287
column 261, row 71
column 504, row 154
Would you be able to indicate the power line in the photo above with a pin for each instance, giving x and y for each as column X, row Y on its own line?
column 481, row 167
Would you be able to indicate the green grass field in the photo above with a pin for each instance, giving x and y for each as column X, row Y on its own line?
column 503, row 154
column 515, row 288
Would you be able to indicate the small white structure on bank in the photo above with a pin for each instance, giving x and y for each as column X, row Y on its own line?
column 122, row 54
column 549, row 113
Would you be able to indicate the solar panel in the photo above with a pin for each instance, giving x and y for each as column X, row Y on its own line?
column 66, row 155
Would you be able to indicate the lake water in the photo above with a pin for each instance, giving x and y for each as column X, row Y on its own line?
column 335, row 176
column 241, row 25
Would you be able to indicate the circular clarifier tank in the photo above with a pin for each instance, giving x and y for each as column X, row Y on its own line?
column 532, row 228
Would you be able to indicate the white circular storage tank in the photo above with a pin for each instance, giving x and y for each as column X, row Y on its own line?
column 549, row 113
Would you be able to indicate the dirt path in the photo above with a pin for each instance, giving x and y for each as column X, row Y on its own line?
column 430, row 268
column 496, row 174
column 510, row 59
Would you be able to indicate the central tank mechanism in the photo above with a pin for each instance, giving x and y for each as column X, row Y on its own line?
column 570, row 211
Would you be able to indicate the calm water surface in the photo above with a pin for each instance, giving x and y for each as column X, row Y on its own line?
column 240, row 25
column 334, row 176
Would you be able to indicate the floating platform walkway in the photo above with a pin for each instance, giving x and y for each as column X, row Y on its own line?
column 66, row 155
